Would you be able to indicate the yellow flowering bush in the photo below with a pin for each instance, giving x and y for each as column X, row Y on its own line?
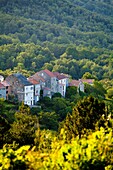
column 92, row 152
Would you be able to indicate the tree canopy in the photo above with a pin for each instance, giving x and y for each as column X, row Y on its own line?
column 88, row 114
column 68, row 36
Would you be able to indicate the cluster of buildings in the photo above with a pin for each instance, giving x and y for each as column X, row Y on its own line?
column 29, row 89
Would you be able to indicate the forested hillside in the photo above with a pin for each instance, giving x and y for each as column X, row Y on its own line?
column 70, row 36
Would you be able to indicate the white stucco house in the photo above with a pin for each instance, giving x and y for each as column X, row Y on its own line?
column 29, row 95
column 37, row 88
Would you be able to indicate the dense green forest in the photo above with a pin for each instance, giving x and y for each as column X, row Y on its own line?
column 68, row 36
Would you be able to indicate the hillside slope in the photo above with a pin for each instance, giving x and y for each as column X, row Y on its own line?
column 81, row 22
column 56, row 24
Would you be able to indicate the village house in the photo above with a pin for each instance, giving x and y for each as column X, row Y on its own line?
column 2, row 91
column 21, row 88
column 63, row 81
column 51, row 82
column 37, row 88
column 47, row 92
column 39, row 79
column 80, row 83
column 88, row 81
column 54, row 82
column 6, row 85
column 29, row 89
column 8, row 88
column 77, row 83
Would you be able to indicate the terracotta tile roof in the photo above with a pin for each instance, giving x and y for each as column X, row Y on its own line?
column 49, row 73
column 66, row 75
column 60, row 75
column 56, row 73
column 38, row 78
column 74, row 83
column 33, row 81
column 89, row 81
column 1, row 86
column 77, row 82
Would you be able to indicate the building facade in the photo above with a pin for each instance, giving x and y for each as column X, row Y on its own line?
column 51, row 82
column 77, row 83
column 8, row 88
column 63, row 82
column 37, row 88
column 2, row 91
column 21, row 88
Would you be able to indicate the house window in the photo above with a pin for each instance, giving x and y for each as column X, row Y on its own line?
column 26, row 94
column 63, row 93
column 36, row 91
column 63, row 87
column 31, row 88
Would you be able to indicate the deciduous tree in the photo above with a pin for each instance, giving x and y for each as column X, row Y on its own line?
column 86, row 115
column 23, row 128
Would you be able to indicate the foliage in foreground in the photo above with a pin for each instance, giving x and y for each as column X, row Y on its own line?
column 92, row 152
column 88, row 114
